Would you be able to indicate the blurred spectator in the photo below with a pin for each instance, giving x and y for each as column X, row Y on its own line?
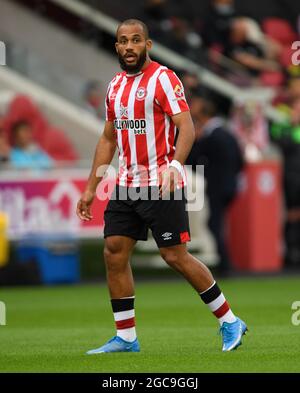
column 4, row 145
column 52, row 140
column 25, row 153
column 247, row 52
column 156, row 17
column 217, row 149
column 287, row 136
column 94, row 98
column 191, row 85
column 286, row 96
column 196, row 106
column 171, row 30
column 217, row 20
column 4, row 148
column 271, row 48
column 294, row 89
column 250, row 126
column 184, row 39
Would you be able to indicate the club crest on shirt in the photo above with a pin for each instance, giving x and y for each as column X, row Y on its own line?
column 141, row 93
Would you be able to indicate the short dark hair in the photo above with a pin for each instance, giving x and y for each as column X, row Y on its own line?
column 209, row 107
column 16, row 127
column 19, row 124
column 134, row 22
column 92, row 85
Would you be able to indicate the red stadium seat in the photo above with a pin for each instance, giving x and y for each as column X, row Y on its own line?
column 272, row 79
column 286, row 56
column 58, row 145
column 280, row 30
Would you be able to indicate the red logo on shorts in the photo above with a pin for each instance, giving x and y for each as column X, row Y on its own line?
column 184, row 237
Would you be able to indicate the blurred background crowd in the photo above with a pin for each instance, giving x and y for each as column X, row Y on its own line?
column 245, row 47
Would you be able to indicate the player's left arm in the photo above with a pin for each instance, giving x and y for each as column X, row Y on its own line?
column 170, row 95
column 186, row 137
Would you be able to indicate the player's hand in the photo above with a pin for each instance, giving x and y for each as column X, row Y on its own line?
column 169, row 181
column 83, row 210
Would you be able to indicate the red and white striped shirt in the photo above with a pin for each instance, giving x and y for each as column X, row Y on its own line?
column 141, row 107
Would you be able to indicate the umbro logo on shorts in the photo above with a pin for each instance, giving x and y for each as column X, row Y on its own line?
column 167, row 235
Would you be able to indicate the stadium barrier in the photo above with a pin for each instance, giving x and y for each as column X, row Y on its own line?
column 56, row 257
column 254, row 236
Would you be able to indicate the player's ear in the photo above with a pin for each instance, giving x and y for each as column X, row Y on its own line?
column 149, row 44
column 116, row 46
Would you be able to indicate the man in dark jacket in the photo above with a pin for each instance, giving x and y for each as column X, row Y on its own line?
column 217, row 21
column 287, row 136
column 217, row 149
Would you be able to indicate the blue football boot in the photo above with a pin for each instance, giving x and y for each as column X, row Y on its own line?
column 116, row 344
column 232, row 334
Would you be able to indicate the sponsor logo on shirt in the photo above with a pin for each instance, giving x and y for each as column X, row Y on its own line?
column 137, row 126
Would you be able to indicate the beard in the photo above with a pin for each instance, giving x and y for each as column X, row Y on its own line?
column 133, row 68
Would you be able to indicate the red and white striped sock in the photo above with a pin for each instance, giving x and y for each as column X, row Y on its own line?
column 215, row 300
column 124, row 316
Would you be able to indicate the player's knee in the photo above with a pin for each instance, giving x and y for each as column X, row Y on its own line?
column 172, row 258
column 113, row 252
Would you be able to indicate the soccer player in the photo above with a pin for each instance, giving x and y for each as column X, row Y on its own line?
column 145, row 104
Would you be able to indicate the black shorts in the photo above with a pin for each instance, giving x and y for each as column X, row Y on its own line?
column 128, row 215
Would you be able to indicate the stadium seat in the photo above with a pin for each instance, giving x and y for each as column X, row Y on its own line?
column 58, row 145
column 280, row 30
column 286, row 56
column 272, row 78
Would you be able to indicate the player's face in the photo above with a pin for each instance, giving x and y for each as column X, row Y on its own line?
column 132, row 48
column 23, row 137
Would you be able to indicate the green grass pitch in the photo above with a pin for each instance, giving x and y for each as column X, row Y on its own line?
column 49, row 329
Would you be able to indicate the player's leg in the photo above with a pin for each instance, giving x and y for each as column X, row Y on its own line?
column 168, row 220
column 117, row 252
column 123, row 227
column 196, row 273
column 199, row 276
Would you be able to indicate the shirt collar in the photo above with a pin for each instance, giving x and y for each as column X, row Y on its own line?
column 212, row 124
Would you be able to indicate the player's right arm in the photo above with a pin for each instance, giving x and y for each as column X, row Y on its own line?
column 104, row 153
